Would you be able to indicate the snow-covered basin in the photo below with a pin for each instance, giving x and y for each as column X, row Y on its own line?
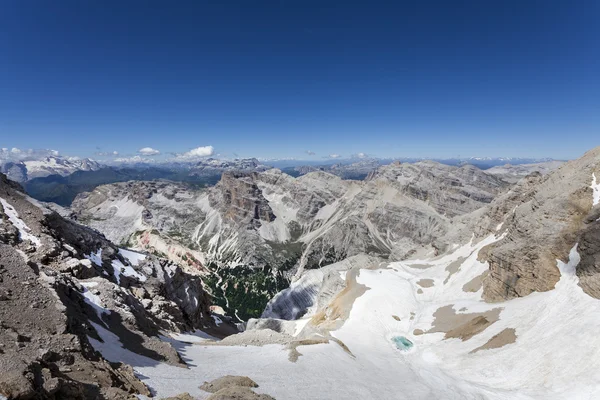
column 556, row 354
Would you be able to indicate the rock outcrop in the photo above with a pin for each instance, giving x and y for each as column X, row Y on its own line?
column 239, row 199
column 542, row 218
column 233, row 387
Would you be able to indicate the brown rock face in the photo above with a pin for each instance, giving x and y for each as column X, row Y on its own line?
column 449, row 190
column 588, row 269
column 231, row 387
column 241, row 199
column 554, row 213
column 228, row 381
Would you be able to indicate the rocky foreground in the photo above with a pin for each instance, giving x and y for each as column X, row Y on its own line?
column 57, row 282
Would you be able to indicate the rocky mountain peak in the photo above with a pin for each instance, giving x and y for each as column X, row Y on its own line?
column 542, row 217
column 450, row 190
column 241, row 200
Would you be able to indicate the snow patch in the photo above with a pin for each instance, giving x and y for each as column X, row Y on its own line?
column 92, row 299
column 196, row 336
column 18, row 223
column 327, row 210
column 96, row 257
column 596, row 190
column 133, row 257
column 217, row 320
column 126, row 270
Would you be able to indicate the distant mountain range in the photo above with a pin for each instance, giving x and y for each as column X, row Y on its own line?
column 360, row 169
column 60, row 179
column 481, row 162
column 22, row 171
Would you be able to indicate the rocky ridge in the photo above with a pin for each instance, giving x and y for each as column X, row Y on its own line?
column 544, row 217
column 513, row 173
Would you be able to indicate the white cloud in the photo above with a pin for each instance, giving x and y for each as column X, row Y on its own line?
column 359, row 155
column 133, row 160
column 16, row 155
column 310, row 153
column 334, row 156
column 106, row 153
column 148, row 151
column 198, row 152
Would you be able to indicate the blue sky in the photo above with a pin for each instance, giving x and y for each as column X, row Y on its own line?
column 278, row 79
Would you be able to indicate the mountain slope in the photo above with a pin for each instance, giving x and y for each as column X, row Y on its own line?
column 513, row 173
column 544, row 217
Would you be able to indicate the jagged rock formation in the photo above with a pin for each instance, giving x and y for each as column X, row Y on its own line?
column 241, row 201
column 449, row 190
column 60, row 282
column 543, row 217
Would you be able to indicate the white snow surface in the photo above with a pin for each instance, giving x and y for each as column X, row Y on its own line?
column 120, row 269
column 596, row 190
column 556, row 354
column 191, row 337
column 128, row 219
column 92, row 299
column 96, row 257
column 13, row 217
column 133, row 257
